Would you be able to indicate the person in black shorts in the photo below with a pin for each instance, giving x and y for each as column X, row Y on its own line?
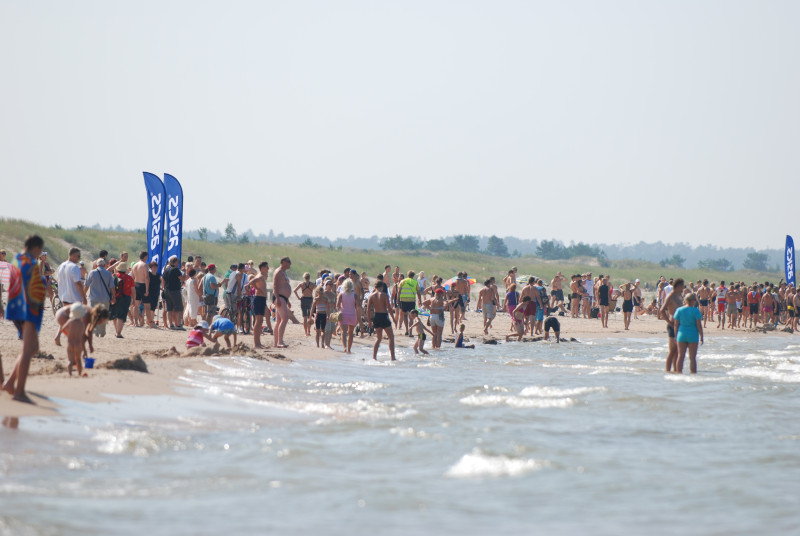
column 152, row 298
column 552, row 323
column 172, row 287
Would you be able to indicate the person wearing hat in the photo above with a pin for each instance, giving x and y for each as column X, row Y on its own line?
column 100, row 290
column 197, row 335
column 123, row 294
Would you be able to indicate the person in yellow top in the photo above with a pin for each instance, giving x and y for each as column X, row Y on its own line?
column 409, row 297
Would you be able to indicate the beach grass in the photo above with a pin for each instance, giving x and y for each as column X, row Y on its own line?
column 58, row 241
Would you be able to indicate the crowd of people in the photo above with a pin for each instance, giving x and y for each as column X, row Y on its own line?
column 350, row 304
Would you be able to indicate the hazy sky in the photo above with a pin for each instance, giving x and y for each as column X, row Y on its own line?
column 593, row 121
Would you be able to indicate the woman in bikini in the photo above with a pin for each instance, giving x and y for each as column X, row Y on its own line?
column 306, row 300
column 627, row 303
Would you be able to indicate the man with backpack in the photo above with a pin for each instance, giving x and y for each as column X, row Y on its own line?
column 100, row 289
column 123, row 293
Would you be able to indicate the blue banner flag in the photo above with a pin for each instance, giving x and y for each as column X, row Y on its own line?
column 174, row 216
column 156, row 198
column 789, row 260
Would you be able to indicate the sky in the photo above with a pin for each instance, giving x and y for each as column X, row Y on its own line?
column 590, row 121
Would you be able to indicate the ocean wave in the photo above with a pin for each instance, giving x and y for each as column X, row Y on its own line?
column 513, row 401
column 477, row 464
column 540, row 391
column 783, row 376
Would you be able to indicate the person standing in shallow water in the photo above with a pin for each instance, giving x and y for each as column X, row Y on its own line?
column 672, row 301
column 688, row 326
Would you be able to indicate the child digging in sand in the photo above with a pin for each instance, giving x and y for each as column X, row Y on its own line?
column 419, row 329
column 223, row 327
column 73, row 330
column 197, row 335
column 519, row 319
column 460, row 339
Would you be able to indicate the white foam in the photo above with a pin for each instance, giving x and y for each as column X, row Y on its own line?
column 520, row 402
column 767, row 374
column 540, row 391
column 478, row 464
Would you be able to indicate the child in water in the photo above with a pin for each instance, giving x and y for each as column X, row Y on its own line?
column 419, row 329
column 197, row 335
column 519, row 319
column 223, row 327
column 460, row 339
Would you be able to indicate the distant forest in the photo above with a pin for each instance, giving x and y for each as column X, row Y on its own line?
column 679, row 254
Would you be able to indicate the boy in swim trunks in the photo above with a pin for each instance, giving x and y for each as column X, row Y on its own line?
column 379, row 313
column 419, row 329
column 460, row 339
column 487, row 304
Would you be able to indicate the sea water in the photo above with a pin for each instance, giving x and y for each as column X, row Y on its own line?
column 573, row 438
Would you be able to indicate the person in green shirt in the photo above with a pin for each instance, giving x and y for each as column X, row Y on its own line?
column 409, row 296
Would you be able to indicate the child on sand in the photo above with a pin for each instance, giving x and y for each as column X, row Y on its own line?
column 460, row 339
column 552, row 323
column 519, row 319
column 197, row 335
column 419, row 329
column 223, row 327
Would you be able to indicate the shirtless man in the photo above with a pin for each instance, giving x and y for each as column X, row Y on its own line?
column 557, row 292
column 141, row 283
column 462, row 286
column 379, row 313
column 637, row 299
column 510, row 279
column 732, row 309
column 672, row 301
column 754, row 303
column 387, row 276
column 259, row 283
column 359, row 297
column 704, row 298
column 768, row 306
column 487, row 303
column 282, row 289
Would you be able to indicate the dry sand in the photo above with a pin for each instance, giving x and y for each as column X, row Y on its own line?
column 49, row 379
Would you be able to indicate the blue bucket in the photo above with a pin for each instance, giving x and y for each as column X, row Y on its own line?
column 88, row 362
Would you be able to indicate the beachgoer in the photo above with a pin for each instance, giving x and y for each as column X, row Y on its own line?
column 603, row 299
column 418, row 329
column 408, row 298
column 518, row 316
column 460, row 339
column 123, row 294
column 198, row 335
column 282, row 289
column 557, row 292
column 26, row 295
column 194, row 291
column 172, row 280
column 552, row 323
column 379, row 314
column 141, row 281
column 210, row 291
column 627, row 304
column 512, row 300
column 487, row 304
column 259, row 283
column 100, row 290
column 223, row 327
column 721, row 296
column 346, row 305
column 672, row 301
column 73, row 329
column 306, row 300
column 70, row 285
column 687, row 324
column 435, row 306
column 543, row 303
column 153, row 294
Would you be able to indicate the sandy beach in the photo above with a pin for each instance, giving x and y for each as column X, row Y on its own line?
column 50, row 380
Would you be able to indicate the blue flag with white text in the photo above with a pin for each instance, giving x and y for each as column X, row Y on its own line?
column 789, row 256
column 173, row 216
column 156, row 197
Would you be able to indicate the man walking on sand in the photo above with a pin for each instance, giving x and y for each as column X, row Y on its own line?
column 672, row 301
column 26, row 296
column 70, row 285
column 282, row 289
column 141, row 281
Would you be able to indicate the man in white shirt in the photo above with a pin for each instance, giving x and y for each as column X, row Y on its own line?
column 70, row 285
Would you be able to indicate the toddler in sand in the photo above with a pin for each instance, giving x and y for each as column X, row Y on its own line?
column 73, row 330
column 460, row 339
column 198, row 334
